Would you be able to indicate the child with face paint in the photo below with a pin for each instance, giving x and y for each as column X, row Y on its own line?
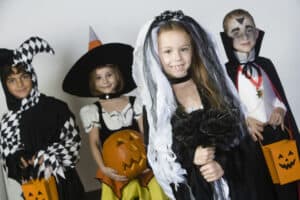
column 261, row 93
column 193, row 119
column 38, row 135
column 105, row 72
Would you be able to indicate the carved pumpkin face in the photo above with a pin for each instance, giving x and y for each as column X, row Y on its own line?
column 37, row 194
column 40, row 190
column 125, row 152
column 286, row 160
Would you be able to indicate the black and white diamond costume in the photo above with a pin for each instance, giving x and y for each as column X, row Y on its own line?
column 38, row 126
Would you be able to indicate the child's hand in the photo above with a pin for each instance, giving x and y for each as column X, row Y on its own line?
column 31, row 161
column 113, row 174
column 23, row 164
column 26, row 163
column 146, row 170
column 203, row 155
column 211, row 171
column 277, row 118
column 255, row 128
column 28, row 172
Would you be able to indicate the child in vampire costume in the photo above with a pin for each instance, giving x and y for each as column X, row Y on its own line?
column 38, row 135
column 261, row 92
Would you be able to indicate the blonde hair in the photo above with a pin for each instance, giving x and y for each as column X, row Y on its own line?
column 233, row 14
column 198, row 70
column 116, row 71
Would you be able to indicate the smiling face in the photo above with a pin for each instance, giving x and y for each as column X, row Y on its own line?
column 243, row 32
column 105, row 80
column 19, row 84
column 175, row 52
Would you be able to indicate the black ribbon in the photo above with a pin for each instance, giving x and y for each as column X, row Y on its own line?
column 248, row 69
column 180, row 80
column 109, row 95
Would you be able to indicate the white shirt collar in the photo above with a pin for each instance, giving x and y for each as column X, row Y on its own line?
column 245, row 57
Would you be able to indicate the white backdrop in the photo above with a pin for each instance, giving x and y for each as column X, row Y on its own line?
column 64, row 24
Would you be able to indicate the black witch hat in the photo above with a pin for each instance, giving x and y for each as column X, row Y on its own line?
column 76, row 81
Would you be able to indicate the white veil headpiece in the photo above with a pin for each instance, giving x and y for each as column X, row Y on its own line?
column 157, row 96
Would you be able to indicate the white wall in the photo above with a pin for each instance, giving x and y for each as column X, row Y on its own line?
column 64, row 24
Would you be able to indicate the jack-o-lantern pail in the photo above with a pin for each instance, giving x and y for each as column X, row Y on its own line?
column 40, row 189
column 124, row 151
column 283, row 161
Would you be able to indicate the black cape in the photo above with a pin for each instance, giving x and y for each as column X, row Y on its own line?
column 269, row 68
column 264, row 186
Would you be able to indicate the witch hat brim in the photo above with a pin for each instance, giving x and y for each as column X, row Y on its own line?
column 76, row 81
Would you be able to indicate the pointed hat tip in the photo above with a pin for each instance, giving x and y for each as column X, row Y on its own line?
column 94, row 41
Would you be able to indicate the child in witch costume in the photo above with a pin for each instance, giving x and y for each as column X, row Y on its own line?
column 193, row 116
column 104, row 72
column 38, row 135
column 260, row 90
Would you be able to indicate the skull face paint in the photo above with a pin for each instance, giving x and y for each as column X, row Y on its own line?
column 243, row 32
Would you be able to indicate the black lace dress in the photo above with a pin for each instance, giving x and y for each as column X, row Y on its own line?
column 210, row 127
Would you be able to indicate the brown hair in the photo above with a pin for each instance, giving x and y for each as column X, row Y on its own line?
column 8, row 70
column 117, row 72
column 198, row 70
column 235, row 13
